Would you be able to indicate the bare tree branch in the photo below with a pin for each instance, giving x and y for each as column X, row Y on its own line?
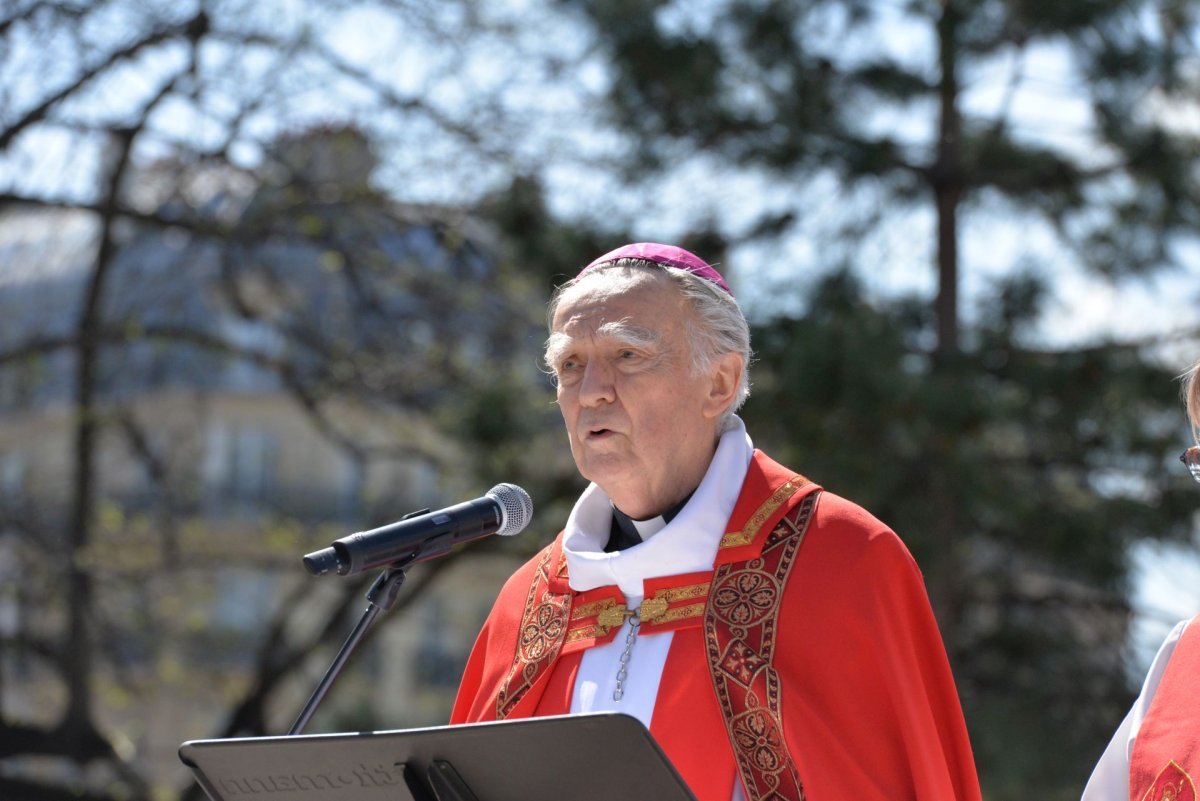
column 193, row 27
column 33, row 9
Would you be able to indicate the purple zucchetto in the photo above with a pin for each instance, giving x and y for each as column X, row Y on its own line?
column 667, row 255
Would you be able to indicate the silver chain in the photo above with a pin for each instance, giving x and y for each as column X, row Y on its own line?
column 623, row 673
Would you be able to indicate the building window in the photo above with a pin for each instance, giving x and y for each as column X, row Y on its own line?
column 241, row 462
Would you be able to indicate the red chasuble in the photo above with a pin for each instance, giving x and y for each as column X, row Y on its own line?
column 807, row 662
column 1166, row 754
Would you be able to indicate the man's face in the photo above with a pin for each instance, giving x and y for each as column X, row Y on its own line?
column 641, row 423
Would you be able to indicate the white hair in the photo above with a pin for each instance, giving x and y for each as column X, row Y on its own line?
column 1191, row 398
column 716, row 327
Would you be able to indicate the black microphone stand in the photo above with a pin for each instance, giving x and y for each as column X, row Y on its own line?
column 380, row 597
column 441, row 780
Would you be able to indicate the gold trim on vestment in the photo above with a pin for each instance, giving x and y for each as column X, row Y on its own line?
column 1171, row 792
column 544, row 624
column 685, row 593
column 771, row 505
column 681, row 613
column 590, row 610
column 741, row 629
column 656, row 609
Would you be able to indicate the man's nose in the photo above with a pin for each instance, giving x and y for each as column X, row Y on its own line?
column 597, row 384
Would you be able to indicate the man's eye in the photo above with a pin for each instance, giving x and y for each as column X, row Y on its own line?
column 629, row 354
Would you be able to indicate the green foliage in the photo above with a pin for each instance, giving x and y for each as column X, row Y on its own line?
column 1017, row 477
column 799, row 89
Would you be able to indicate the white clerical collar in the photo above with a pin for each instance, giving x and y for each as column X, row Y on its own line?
column 687, row 544
column 648, row 528
column 627, row 532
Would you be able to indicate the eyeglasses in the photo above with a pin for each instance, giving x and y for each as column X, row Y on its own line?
column 1191, row 458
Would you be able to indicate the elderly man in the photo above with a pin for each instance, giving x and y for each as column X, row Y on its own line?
column 776, row 639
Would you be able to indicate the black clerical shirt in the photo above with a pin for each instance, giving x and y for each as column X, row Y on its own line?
column 624, row 533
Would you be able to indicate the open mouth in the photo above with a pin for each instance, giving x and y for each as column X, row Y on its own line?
column 598, row 433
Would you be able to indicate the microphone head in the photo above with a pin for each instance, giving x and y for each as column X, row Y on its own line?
column 516, row 508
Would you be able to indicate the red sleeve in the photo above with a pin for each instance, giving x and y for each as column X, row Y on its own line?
column 870, row 710
column 469, row 702
column 925, row 701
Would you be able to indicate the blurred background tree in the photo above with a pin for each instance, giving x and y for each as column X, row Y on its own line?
column 231, row 230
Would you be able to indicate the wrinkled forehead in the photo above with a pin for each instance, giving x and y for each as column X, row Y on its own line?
column 604, row 300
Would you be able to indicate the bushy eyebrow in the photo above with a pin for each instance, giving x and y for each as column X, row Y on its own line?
column 621, row 331
column 629, row 334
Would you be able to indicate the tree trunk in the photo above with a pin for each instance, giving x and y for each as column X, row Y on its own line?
column 947, row 182
column 944, row 575
column 78, row 667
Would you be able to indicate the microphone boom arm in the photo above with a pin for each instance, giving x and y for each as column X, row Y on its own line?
column 380, row 597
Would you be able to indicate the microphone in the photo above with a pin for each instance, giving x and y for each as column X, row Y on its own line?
column 504, row 510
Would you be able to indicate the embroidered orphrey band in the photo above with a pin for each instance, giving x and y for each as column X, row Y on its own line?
column 740, row 629
column 543, row 628
column 747, row 533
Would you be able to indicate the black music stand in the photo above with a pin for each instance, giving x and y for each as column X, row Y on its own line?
column 597, row 757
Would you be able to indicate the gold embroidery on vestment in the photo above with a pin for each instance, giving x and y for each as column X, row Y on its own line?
column 769, row 507
column 684, row 593
column 657, row 609
column 611, row 618
column 652, row 608
column 589, row 610
column 741, row 629
column 585, row 633
column 1182, row 790
column 543, row 624
column 681, row 613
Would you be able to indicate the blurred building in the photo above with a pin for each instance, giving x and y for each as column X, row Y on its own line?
column 262, row 386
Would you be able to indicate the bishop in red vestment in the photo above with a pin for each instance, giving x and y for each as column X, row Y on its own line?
column 776, row 639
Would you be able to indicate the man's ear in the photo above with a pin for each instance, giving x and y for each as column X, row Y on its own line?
column 725, row 378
